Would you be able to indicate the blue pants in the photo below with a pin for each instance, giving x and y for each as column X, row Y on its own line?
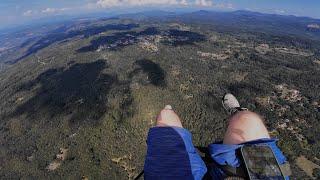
column 171, row 155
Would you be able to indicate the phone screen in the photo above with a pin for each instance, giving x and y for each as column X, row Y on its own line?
column 261, row 163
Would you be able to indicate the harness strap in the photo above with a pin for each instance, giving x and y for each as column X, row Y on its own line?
column 240, row 172
column 285, row 169
column 233, row 171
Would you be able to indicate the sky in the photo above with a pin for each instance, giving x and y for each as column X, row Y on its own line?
column 16, row 12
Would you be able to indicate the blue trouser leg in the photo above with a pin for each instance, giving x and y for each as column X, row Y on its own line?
column 171, row 155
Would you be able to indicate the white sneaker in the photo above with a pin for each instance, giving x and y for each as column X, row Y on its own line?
column 231, row 104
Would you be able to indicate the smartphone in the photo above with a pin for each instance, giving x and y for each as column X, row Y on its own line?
column 261, row 163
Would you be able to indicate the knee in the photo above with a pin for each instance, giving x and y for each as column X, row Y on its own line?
column 167, row 117
column 247, row 118
column 245, row 126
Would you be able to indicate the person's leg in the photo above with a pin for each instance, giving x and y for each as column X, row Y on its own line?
column 167, row 117
column 170, row 153
column 245, row 126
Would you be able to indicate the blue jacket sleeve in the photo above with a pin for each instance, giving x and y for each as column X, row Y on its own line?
column 171, row 155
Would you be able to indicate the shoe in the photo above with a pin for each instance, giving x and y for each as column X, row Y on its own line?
column 231, row 104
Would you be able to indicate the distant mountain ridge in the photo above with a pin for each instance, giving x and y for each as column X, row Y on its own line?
column 236, row 21
column 255, row 21
column 243, row 20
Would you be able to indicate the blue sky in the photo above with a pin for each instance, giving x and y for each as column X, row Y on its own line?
column 14, row 12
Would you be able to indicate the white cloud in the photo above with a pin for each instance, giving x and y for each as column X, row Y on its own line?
column 126, row 3
column 28, row 13
column 280, row 11
column 205, row 3
column 49, row 10
column 224, row 6
column 45, row 11
column 114, row 3
column 93, row 5
column 184, row 2
column 108, row 3
column 54, row 10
